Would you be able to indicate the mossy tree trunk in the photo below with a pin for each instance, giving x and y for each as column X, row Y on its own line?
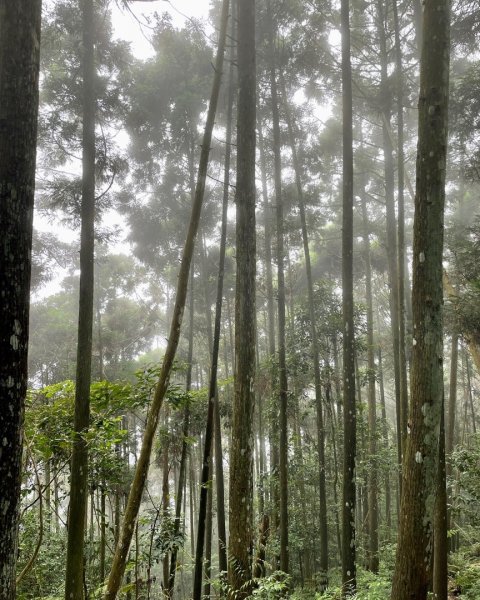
column 411, row 576
column 241, row 456
column 19, row 67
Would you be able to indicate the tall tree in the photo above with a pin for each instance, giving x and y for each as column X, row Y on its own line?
column 241, row 460
column 315, row 345
column 372, row 405
column 19, row 68
column 141, row 470
column 205, row 488
column 79, row 463
column 349, row 408
column 282, row 366
column 411, row 577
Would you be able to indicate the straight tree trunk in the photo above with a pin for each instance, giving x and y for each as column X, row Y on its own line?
column 219, row 479
column 282, row 367
column 74, row 587
column 403, row 289
column 372, row 407
column 205, row 486
column 103, row 531
column 184, row 454
column 411, row 577
column 388, row 496
column 274, row 458
column 166, row 495
column 391, row 227
column 450, row 437
column 241, row 456
column 141, row 470
column 349, row 407
column 440, row 552
column 315, row 348
column 19, row 67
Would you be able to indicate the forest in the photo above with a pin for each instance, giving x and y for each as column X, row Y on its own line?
column 239, row 299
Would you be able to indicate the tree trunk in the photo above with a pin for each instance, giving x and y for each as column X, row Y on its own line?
column 315, row 350
column 440, row 552
column 166, row 494
column 388, row 497
column 241, row 459
column 141, row 471
column 282, row 368
column 450, row 437
column 79, row 466
column 184, row 454
column 391, row 228
column 19, row 66
column 349, row 408
column 274, row 459
column 212, row 390
column 411, row 578
column 219, row 479
column 372, row 407
column 402, row 288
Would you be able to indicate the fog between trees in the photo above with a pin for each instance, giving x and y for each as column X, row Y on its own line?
column 240, row 352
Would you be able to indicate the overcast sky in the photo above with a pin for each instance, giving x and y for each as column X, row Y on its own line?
column 135, row 27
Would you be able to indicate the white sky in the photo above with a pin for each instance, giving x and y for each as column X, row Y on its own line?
column 135, row 27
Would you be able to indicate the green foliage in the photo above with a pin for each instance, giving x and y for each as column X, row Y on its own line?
column 466, row 569
column 46, row 580
column 369, row 587
column 272, row 587
column 466, row 459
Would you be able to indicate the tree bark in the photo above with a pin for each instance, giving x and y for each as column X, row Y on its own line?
column 282, row 367
column 241, row 456
column 74, row 587
column 411, row 576
column 391, row 229
column 185, row 431
column 403, row 289
column 440, row 553
column 212, row 390
column 372, row 407
column 349, row 407
column 19, row 67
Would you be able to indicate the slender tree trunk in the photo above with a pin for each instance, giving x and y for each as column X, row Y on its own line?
column 349, row 412
column 274, row 458
column 334, row 434
column 103, row 531
column 208, row 541
column 388, row 497
column 391, row 228
column 79, row 465
column 450, row 438
column 402, row 288
column 372, row 407
column 166, row 495
column 440, row 552
column 315, row 349
column 184, row 454
column 282, row 368
column 411, row 577
column 219, row 479
column 212, row 391
column 241, row 466
column 141, row 471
